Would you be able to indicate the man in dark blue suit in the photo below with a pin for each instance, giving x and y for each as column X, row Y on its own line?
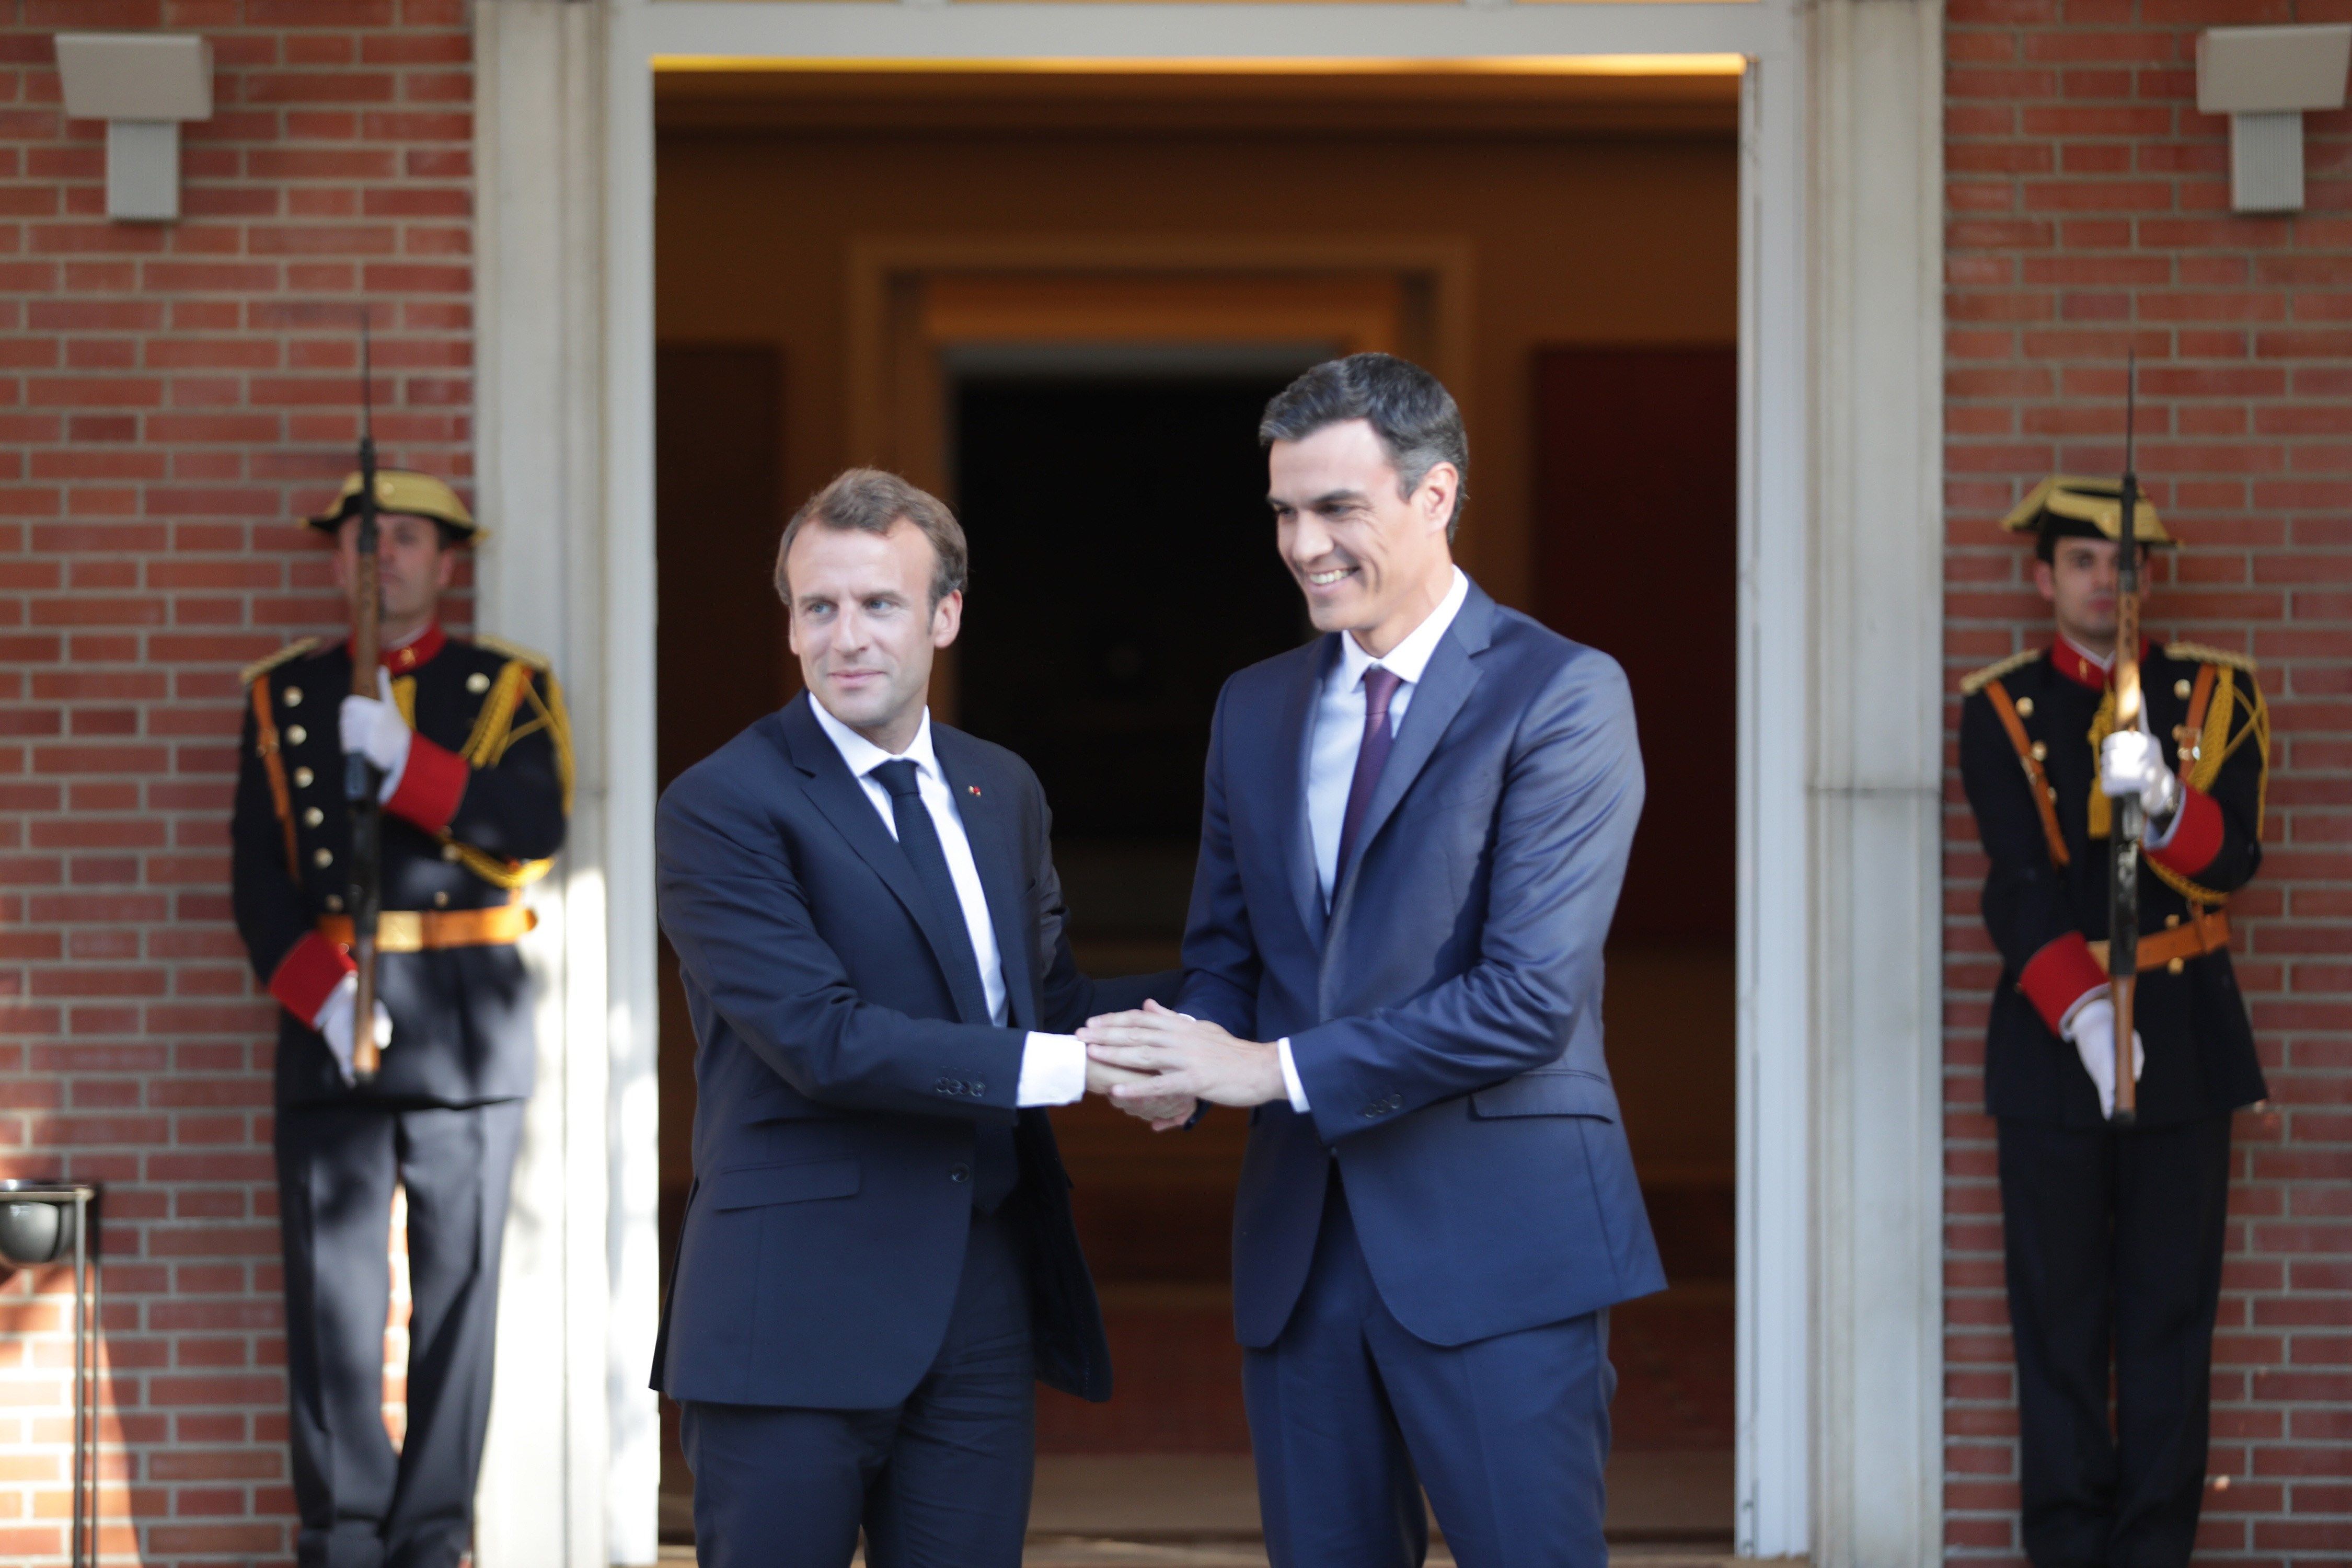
column 878, row 1262
column 1416, row 830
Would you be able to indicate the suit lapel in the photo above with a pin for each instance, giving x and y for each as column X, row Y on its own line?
column 986, row 815
column 836, row 793
column 1445, row 686
column 1295, row 744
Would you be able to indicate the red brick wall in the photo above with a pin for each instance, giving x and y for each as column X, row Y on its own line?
column 2089, row 210
column 171, row 397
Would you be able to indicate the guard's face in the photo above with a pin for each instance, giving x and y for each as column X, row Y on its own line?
column 1366, row 557
column 865, row 627
column 413, row 568
column 2079, row 581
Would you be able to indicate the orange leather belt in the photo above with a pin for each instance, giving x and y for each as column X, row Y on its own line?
column 2172, row 948
column 417, row 930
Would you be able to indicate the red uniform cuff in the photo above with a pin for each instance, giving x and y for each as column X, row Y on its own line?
column 2060, row 976
column 431, row 785
column 2196, row 837
column 308, row 974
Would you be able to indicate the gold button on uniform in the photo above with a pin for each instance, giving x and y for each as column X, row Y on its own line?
column 293, row 696
column 440, row 900
column 2172, row 919
column 2040, row 750
column 449, row 852
column 302, row 778
column 2180, row 689
column 312, row 817
column 478, row 682
column 296, row 734
column 2176, row 966
column 323, row 858
column 2025, row 707
column 334, row 900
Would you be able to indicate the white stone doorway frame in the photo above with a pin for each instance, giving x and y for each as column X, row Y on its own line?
column 1839, row 747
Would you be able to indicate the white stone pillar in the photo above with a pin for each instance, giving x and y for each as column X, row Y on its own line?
column 1875, row 249
column 572, row 1465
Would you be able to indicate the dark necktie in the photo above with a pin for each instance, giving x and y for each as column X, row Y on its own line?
column 1379, row 686
column 995, row 1165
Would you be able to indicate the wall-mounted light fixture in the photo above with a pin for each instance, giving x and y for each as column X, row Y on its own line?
column 2263, row 78
column 142, row 85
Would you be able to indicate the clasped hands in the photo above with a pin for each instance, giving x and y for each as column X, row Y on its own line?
column 1158, row 1064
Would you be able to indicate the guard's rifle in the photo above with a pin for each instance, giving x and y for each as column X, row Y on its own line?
column 2127, row 821
column 362, row 782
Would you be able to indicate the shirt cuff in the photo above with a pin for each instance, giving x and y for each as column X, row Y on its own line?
column 431, row 783
column 1290, row 1083
column 307, row 976
column 2059, row 976
column 2194, row 837
column 1053, row 1070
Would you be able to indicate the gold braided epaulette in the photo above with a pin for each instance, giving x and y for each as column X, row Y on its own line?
column 261, row 667
column 1977, row 680
column 530, row 656
column 2204, row 653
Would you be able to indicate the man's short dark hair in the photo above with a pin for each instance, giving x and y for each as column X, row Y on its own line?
column 874, row 501
column 1407, row 408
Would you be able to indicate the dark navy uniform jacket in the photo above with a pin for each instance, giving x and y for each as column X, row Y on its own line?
column 840, row 1088
column 2191, row 1020
column 1444, row 1017
column 480, row 807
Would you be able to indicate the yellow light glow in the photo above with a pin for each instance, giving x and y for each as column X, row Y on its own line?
column 1496, row 65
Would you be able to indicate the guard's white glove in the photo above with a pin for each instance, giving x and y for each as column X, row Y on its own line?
column 374, row 728
column 334, row 1021
column 2131, row 763
column 2092, row 1028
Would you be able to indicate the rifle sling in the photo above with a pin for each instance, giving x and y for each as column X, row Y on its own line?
column 273, row 765
column 2037, row 781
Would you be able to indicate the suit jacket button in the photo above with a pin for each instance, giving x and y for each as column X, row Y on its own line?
column 978, row 1088
column 959, row 1172
column 944, row 1086
column 1396, row 1102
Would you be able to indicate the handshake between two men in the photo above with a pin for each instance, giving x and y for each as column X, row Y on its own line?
column 1160, row 1065
column 1414, row 831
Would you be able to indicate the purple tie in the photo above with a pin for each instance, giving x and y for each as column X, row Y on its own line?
column 1379, row 686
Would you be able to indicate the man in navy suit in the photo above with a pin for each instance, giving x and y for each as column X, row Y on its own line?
column 1416, row 830
column 877, row 1260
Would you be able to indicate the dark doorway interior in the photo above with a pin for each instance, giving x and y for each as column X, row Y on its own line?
column 1637, row 534
column 1126, row 567
column 718, row 510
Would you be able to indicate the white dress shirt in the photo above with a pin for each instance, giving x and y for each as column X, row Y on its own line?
column 1340, row 735
column 1052, row 1067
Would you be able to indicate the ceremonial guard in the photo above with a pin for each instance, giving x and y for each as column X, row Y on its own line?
column 473, row 750
column 2114, row 1232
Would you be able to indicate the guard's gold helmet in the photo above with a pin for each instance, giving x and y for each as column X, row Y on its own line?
column 409, row 494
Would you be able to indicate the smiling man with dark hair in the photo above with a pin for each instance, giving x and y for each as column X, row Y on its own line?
column 1416, row 830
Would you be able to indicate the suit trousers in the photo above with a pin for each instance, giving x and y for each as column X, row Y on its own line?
column 2113, row 1247
column 1351, row 1417
column 940, row 1480
column 363, row 1504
